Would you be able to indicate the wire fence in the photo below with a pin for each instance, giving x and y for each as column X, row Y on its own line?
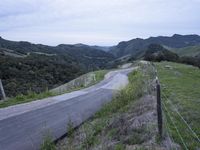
column 174, row 106
column 166, row 124
column 171, row 113
column 174, row 125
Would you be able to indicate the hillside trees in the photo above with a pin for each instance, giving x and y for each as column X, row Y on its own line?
column 157, row 53
column 36, row 73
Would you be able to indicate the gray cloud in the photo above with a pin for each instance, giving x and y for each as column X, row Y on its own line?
column 96, row 21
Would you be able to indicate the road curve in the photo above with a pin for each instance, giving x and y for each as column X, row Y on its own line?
column 23, row 126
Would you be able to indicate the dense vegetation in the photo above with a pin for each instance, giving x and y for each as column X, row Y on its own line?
column 35, row 73
column 156, row 52
column 195, row 61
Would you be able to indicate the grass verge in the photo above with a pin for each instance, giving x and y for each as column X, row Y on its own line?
column 133, row 90
column 31, row 96
column 180, row 93
column 99, row 75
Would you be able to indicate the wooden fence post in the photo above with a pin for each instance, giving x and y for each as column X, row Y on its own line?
column 159, row 109
column 2, row 90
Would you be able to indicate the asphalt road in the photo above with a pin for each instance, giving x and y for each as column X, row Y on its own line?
column 24, row 126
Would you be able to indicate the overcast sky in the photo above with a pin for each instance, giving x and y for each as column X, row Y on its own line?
column 96, row 22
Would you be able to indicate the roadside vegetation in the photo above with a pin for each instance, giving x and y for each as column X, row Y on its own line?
column 31, row 96
column 99, row 75
column 48, row 143
column 19, row 99
column 126, row 96
column 181, row 102
column 112, row 127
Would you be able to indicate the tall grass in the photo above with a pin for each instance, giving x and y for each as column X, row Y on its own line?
column 99, row 75
column 48, row 143
column 31, row 96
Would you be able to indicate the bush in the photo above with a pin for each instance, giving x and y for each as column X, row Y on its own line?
column 48, row 143
column 195, row 61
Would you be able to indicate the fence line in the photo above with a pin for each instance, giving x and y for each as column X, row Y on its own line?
column 175, row 108
column 182, row 140
column 193, row 133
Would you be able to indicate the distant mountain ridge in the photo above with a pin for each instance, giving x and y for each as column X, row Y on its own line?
column 87, row 56
column 134, row 48
column 137, row 47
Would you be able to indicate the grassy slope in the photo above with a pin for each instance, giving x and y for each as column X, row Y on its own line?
column 31, row 96
column 180, row 87
column 187, row 51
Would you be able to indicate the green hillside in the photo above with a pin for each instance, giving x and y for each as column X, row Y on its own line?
column 180, row 96
column 187, row 51
column 137, row 47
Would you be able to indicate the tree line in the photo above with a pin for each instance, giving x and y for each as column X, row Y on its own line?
column 157, row 53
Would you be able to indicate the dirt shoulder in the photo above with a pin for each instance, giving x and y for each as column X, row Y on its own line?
column 133, row 130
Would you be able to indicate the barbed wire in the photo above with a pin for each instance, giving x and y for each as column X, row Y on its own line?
column 170, row 117
column 168, row 129
column 182, row 118
column 175, row 108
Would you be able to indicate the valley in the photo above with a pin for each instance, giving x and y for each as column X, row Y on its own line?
column 99, row 75
column 44, row 65
column 109, row 93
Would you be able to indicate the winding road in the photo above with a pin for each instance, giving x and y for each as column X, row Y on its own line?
column 23, row 126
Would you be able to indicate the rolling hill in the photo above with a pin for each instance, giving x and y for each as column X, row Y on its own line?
column 137, row 47
column 88, row 57
column 35, row 67
column 187, row 51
